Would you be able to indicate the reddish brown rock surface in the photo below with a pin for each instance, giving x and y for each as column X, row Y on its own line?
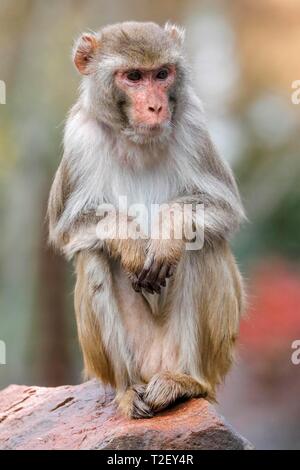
column 85, row 417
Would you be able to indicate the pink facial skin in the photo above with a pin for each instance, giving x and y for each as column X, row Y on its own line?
column 148, row 94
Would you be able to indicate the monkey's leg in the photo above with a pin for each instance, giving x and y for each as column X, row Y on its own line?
column 92, row 276
column 205, row 302
column 102, row 335
column 165, row 388
column 221, row 304
column 215, row 288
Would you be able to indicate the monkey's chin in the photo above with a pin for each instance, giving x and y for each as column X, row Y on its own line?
column 145, row 134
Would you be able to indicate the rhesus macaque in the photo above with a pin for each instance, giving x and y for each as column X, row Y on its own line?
column 155, row 320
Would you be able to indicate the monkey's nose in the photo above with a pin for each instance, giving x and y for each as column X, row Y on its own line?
column 155, row 109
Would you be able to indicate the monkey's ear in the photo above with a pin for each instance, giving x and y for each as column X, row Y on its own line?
column 84, row 52
column 177, row 33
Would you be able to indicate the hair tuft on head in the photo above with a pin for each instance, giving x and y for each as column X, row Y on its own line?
column 176, row 32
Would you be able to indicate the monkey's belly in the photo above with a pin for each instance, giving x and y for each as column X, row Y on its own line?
column 147, row 334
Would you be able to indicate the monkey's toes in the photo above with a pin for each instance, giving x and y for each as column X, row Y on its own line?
column 132, row 403
column 158, row 394
column 140, row 409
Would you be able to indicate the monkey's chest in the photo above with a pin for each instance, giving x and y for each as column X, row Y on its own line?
column 140, row 195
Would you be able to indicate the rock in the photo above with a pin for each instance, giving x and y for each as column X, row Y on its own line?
column 85, row 417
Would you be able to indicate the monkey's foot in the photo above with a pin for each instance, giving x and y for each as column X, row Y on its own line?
column 132, row 404
column 166, row 388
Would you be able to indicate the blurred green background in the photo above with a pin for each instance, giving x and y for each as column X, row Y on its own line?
column 245, row 56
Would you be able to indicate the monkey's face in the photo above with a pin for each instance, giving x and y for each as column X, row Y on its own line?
column 147, row 102
column 133, row 78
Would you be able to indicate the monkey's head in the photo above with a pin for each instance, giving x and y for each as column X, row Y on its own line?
column 132, row 77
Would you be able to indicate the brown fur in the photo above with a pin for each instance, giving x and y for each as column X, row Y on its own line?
column 96, row 361
column 219, row 303
column 178, row 343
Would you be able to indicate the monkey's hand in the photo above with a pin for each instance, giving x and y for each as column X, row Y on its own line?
column 118, row 235
column 164, row 252
column 84, row 238
column 124, row 241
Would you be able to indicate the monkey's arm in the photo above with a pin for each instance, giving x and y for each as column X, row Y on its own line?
column 214, row 191
column 61, row 228
column 60, row 190
column 80, row 233
column 102, row 234
column 213, row 217
column 115, row 233
column 87, row 233
column 202, row 219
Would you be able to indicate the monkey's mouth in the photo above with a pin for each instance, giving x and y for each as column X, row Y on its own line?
column 150, row 130
column 143, row 134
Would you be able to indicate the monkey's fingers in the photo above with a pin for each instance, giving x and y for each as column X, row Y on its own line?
column 153, row 275
column 136, row 286
column 154, row 271
column 159, row 272
column 147, row 266
column 134, row 281
column 163, row 274
column 150, row 288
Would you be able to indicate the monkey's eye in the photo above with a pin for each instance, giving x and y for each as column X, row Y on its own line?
column 134, row 76
column 162, row 74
